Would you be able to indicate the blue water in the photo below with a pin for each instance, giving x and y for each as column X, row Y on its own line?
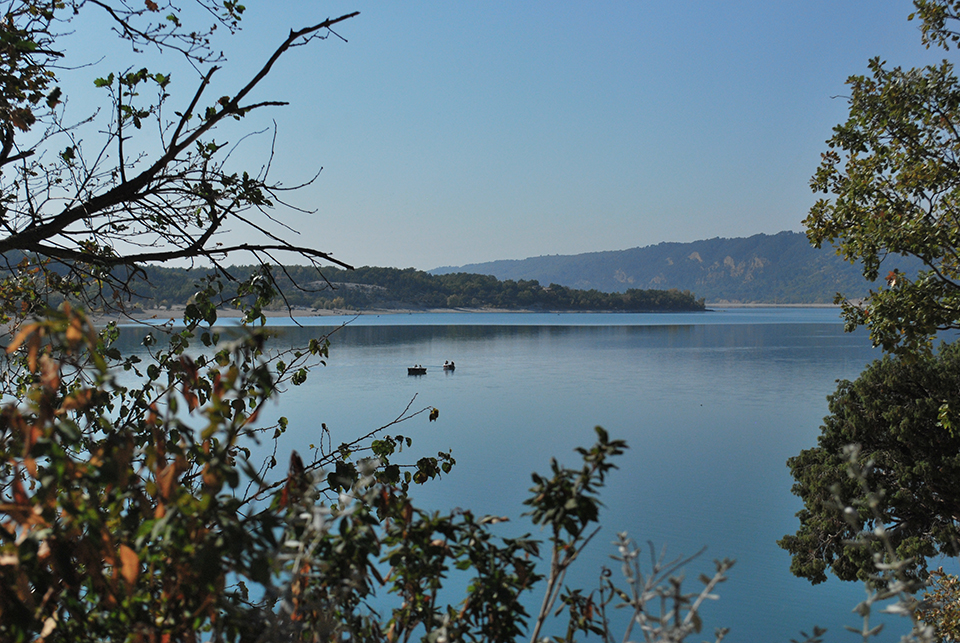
column 712, row 404
column 721, row 316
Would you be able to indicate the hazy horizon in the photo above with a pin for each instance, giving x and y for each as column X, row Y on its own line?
column 454, row 133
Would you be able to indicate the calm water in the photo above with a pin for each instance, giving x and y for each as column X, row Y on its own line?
column 711, row 404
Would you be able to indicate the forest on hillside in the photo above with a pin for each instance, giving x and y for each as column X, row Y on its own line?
column 395, row 288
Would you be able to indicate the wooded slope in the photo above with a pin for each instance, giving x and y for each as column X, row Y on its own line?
column 779, row 268
column 395, row 288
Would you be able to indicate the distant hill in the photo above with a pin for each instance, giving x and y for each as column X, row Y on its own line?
column 779, row 268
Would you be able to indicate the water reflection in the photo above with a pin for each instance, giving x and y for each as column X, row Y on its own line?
column 711, row 412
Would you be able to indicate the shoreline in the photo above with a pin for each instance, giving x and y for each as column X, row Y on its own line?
column 175, row 313
column 727, row 304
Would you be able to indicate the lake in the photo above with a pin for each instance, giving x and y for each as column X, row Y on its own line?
column 711, row 404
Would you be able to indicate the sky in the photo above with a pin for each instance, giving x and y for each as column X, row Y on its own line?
column 453, row 133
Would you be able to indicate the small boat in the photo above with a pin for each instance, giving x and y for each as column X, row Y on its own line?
column 416, row 370
column 449, row 366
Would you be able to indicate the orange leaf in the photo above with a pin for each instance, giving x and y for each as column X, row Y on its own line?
column 129, row 564
column 74, row 333
column 252, row 417
column 78, row 400
column 22, row 335
column 30, row 433
column 49, row 372
column 17, row 117
column 20, row 496
column 32, row 351
column 165, row 480
column 193, row 402
column 211, row 477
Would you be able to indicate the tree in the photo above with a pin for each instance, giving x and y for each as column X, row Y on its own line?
column 892, row 173
column 134, row 197
column 901, row 414
column 892, row 176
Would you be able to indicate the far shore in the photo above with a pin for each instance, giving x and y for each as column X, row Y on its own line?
column 727, row 304
column 175, row 313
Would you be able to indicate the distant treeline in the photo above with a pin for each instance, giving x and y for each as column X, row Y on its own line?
column 395, row 288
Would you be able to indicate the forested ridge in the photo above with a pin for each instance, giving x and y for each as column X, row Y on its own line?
column 774, row 269
column 396, row 288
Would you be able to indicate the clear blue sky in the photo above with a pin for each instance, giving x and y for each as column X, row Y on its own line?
column 455, row 132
